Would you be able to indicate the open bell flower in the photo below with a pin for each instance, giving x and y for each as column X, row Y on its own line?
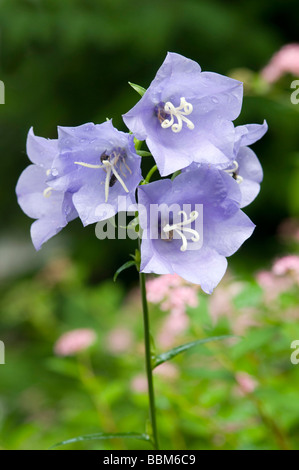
column 97, row 163
column 190, row 242
column 52, row 209
column 186, row 115
column 246, row 168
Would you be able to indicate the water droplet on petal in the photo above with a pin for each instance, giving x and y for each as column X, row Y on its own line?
column 214, row 99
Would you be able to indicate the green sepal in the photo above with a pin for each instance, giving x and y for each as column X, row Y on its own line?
column 137, row 143
column 143, row 153
column 140, row 90
column 137, row 259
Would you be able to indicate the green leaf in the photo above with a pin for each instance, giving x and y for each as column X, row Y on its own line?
column 138, row 88
column 127, row 265
column 184, row 347
column 104, row 436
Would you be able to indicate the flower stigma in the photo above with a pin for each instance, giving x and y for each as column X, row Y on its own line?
column 48, row 191
column 180, row 227
column 234, row 172
column 167, row 115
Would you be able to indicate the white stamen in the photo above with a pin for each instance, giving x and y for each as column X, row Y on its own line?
column 48, row 172
column 109, row 168
column 179, row 113
column 107, row 181
column 119, row 178
column 47, row 192
column 89, row 165
column 179, row 228
column 231, row 172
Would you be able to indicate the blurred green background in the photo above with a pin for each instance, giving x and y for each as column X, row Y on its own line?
column 69, row 62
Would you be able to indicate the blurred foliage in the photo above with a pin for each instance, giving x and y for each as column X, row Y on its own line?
column 69, row 62
column 45, row 399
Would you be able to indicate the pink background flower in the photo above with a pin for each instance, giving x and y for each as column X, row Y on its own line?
column 74, row 341
column 286, row 60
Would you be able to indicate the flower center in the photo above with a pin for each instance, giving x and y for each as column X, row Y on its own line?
column 180, row 228
column 160, row 112
column 234, row 172
column 169, row 113
column 109, row 164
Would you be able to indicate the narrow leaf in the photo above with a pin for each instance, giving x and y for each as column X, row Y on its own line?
column 184, row 347
column 105, row 436
column 138, row 88
column 127, row 265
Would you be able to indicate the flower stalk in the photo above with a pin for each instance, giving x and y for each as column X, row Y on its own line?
column 148, row 362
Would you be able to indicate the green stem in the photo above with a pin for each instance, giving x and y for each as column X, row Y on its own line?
column 150, row 174
column 149, row 372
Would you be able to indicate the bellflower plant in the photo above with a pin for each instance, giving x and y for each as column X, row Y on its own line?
column 187, row 224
